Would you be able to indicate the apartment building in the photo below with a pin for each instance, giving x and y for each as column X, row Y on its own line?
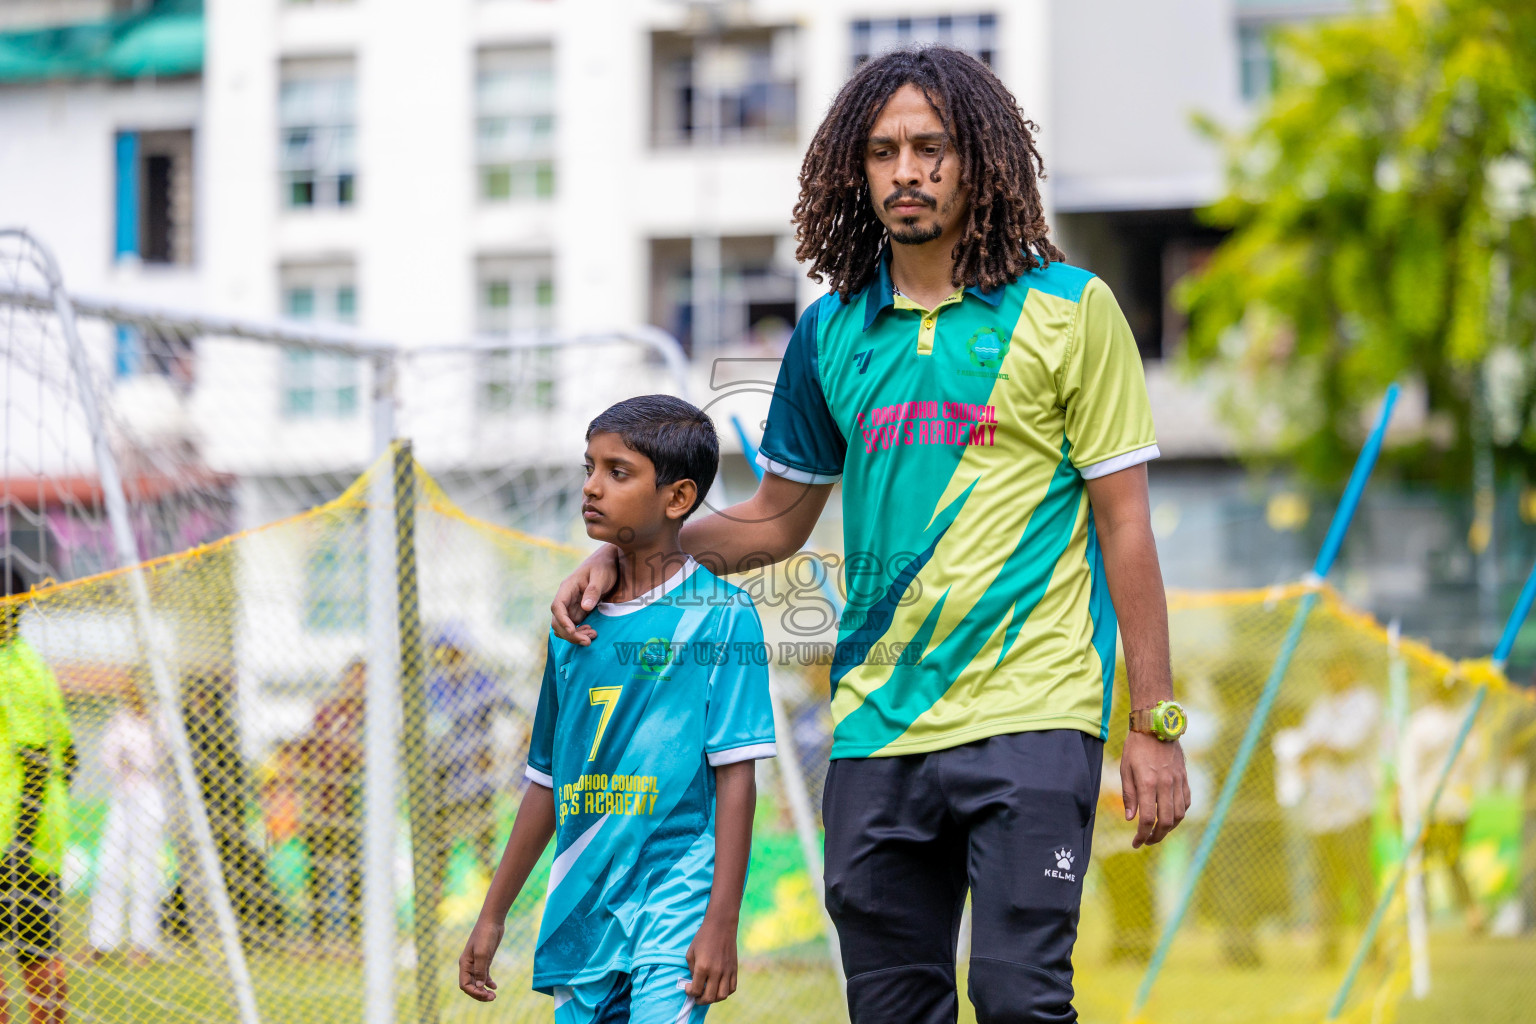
column 484, row 168
column 430, row 173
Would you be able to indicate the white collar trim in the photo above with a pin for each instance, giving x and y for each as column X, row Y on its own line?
column 655, row 594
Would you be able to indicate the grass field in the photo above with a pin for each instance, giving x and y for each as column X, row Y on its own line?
column 1490, row 981
column 1477, row 981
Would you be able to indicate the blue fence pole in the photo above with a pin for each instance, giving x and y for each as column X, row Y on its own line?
column 1512, row 626
column 1325, row 558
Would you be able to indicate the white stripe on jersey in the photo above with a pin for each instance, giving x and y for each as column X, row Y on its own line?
column 562, row 864
column 754, row 752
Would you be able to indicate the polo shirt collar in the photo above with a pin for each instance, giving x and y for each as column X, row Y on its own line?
column 880, row 294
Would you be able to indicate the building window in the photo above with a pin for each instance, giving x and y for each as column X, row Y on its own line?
column 317, row 122
column 755, row 306
column 335, row 580
column 976, row 34
column 516, row 295
column 154, row 196
column 1256, row 57
column 515, row 124
column 735, row 86
column 1142, row 255
column 146, row 349
column 319, row 384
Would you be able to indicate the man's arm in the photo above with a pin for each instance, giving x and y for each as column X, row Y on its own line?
column 768, row 527
column 1152, row 773
column 531, row 833
column 712, row 956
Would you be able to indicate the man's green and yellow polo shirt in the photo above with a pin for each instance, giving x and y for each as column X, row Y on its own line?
column 977, row 604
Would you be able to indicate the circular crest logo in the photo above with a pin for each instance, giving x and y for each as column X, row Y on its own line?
column 988, row 348
column 655, row 654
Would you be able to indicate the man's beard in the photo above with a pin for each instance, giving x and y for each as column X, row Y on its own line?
column 914, row 233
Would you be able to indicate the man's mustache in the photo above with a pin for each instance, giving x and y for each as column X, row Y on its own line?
column 910, row 194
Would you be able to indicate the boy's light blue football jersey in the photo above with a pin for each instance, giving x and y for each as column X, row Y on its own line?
column 627, row 733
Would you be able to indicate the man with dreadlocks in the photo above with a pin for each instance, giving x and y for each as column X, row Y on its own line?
column 984, row 406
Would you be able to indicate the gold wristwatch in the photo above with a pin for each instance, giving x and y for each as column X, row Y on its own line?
column 1165, row 720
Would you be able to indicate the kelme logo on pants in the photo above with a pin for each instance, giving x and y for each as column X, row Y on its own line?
column 1063, row 869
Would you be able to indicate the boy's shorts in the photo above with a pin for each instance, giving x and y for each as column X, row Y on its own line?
column 650, row 995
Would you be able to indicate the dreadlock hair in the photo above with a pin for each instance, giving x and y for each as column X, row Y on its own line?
column 836, row 228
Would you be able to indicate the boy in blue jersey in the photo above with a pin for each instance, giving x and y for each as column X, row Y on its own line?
column 640, row 764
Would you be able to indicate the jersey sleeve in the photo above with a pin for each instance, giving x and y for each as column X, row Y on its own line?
column 738, row 723
column 541, row 743
column 802, row 441
column 1104, row 391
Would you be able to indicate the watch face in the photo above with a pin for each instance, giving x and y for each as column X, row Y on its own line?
column 1171, row 720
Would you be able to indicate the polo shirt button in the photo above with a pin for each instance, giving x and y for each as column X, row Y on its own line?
column 927, row 323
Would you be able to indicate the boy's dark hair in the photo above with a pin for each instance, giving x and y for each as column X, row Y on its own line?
column 677, row 437
column 991, row 141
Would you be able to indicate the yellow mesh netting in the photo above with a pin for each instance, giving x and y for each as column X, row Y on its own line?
column 266, row 639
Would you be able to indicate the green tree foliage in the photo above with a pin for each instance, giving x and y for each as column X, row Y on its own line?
column 1383, row 222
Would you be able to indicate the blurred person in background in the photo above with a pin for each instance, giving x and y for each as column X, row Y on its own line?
column 128, row 859
column 330, row 772
column 464, row 700
column 1245, row 882
column 1431, row 733
column 278, row 791
column 37, row 761
column 1335, row 752
column 209, row 703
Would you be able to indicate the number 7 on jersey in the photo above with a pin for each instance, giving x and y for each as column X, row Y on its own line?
column 608, row 697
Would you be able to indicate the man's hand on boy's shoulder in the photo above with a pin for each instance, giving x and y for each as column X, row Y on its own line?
column 580, row 592
column 712, row 959
column 475, row 961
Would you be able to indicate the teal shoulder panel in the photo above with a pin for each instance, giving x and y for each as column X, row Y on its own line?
column 1059, row 279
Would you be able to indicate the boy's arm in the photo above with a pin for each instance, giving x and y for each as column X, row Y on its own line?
column 712, row 956
column 531, row 833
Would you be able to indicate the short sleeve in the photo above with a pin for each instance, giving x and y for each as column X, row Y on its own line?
column 739, row 720
column 1104, row 391
column 802, row 441
column 541, row 742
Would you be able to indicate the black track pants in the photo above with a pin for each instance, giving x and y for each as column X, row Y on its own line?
column 1010, row 817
